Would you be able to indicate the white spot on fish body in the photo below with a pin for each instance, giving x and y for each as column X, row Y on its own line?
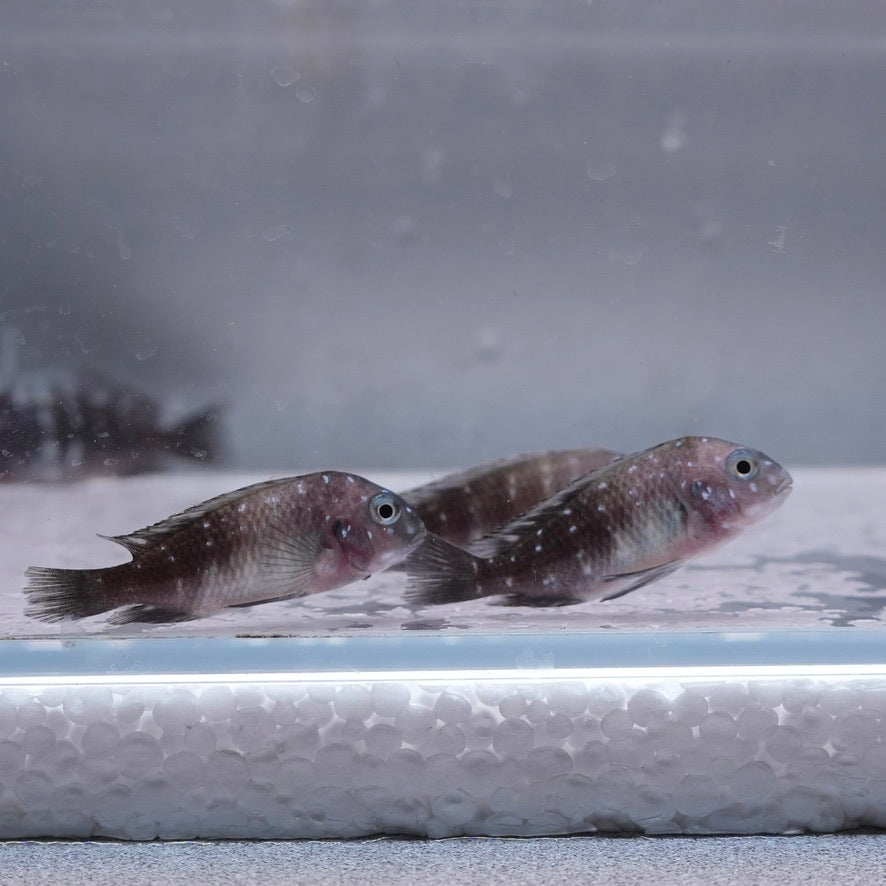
column 325, row 477
column 547, row 581
column 752, row 487
column 688, row 464
column 208, row 542
column 538, row 549
column 349, row 478
column 601, row 484
column 704, row 439
column 678, row 444
column 567, row 512
column 300, row 488
column 586, row 569
column 601, row 509
column 241, row 507
column 443, row 517
column 513, row 558
column 206, row 524
column 509, row 582
column 573, row 528
column 369, row 534
column 632, row 469
column 732, row 494
column 539, row 531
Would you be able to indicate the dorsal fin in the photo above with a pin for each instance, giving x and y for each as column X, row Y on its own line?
column 142, row 539
column 536, row 517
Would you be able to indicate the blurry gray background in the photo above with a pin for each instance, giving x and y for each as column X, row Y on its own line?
column 399, row 234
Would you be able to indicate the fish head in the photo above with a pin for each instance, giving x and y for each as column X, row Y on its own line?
column 381, row 532
column 725, row 487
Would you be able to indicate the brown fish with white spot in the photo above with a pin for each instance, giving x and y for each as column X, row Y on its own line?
column 270, row 541
column 467, row 505
column 611, row 531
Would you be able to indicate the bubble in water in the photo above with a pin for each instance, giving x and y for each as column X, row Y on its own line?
column 284, row 74
column 600, row 170
column 274, row 232
column 305, row 94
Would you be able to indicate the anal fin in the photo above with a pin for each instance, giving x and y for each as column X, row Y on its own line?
column 640, row 578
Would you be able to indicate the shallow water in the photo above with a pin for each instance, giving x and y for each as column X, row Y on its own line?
column 817, row 562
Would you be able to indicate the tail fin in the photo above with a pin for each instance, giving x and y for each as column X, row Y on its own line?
column 56, row 594
column 196, row 437
column 440, row 572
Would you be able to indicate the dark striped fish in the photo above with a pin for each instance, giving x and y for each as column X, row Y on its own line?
column 467, row 505
column 270, row 541
column 612, row 530
column 58, row 424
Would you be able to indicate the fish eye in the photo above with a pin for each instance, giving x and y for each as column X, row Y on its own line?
column 742, row 464
column 385, row 509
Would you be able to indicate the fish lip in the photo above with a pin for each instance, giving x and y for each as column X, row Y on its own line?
column 785, row 486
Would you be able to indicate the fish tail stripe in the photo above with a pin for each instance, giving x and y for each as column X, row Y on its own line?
column 439, row 572
column 56, row 594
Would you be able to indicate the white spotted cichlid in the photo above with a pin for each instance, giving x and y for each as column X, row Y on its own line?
column 467, row 505
column 611, row 531
column 270, row 541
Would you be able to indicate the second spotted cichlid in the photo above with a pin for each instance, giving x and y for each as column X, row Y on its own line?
column 270, row 541
column 467, row 505
column 612, row 530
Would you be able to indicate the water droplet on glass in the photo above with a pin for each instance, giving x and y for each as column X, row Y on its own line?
column 275, row 232
column 305, row 94
column 185, row 227
column 674, row 136
column 777, row 244
column 601, row 170
column 488, row 345
column 626, row 254
column 503, row 188
column 284, row 74
column 403, row 226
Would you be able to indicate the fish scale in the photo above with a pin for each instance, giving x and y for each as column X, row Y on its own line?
column 611, row 531
column 466, row 505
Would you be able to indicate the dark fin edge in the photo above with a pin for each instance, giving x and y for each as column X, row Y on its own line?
column 143, row 614
column 439, row 572
column 643, row 577
column 57, row 594
column 142, row 539
column 538, row 602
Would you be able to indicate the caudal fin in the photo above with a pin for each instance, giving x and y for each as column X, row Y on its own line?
column 196, row 437
column 440, row 572
column 56, row 594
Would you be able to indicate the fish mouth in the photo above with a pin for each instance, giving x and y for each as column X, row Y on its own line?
column 784, row 486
